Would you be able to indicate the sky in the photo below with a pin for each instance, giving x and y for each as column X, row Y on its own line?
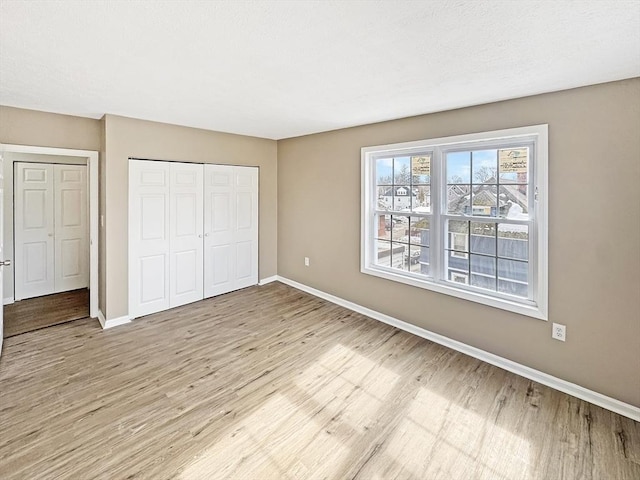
column 458, row 164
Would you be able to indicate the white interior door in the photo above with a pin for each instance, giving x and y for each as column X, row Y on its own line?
column 149, row 238
column 231, row 228
column 71, row 228
column 186, row 241
column 34, row 230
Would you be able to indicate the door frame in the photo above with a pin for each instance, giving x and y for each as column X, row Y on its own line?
column 92, row 170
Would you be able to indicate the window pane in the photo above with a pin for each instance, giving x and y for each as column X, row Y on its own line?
column 421, row 199
column 483, row 272
column 419, row 231
column 419, row 260
column 458, row 167
column 401, row 197
column 514, row 165
column 400, row 228
column 384, row 171
column 458, row 199
column 513, row 277
column 383, row 227
column 421, row 169
column 513, row 241
column 384, row 253
column 483, row 238
column 514, row 201
column 401, row 171
column 399, row 252
column 385, row 198
column 484, row 201
column 485, row 166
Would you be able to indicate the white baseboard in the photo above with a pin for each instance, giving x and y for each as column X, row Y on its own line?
column 569, row 388
column 114, row 322
column 264, row 281
column 8, row 301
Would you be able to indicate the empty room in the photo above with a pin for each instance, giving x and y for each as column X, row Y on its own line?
column 320, row 239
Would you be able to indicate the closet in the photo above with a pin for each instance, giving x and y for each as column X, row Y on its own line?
column 193, row 232
column 51, row 229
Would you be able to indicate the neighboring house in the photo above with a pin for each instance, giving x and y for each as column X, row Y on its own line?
column 399, row 198
column 486, row 200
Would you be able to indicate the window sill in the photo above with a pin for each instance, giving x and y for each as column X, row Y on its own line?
column 529, row 310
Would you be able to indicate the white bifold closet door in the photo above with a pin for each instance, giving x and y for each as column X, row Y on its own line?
column 231, row 228
column 51, row 229
column 165, row 235
column 193, row 232
column 148, row 237
column 185, row 233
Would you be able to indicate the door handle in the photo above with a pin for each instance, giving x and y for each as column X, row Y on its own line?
column 50, row 234
column 206, row 234
column 5, row 263
column 199, row 235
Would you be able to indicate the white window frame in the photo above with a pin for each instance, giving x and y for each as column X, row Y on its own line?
column 536, row 305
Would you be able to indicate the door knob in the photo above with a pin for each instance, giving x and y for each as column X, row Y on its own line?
column 199, row 235
column 5, row 263
column 206, row 234
column 51, row 234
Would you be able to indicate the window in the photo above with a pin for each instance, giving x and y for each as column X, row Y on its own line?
column 463, row 215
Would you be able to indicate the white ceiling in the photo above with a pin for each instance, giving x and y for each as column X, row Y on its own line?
column 278, row 69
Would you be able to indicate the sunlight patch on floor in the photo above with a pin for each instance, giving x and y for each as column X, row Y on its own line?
column 276, row 441
column 351, row 386
column 437, row 436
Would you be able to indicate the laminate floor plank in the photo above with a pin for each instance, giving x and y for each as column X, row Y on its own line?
column 41, row 312
column 272, row 383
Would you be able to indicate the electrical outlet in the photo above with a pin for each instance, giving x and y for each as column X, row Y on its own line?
column 306, row 261
column 559, row 332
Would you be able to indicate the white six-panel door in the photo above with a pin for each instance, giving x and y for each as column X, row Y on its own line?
column 51, row 229
column 185, row 230
column 71, row 240
column 148, row 237
column 231, row 228
column 34, row 230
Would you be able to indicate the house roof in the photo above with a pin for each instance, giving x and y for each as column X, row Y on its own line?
column 393, row 191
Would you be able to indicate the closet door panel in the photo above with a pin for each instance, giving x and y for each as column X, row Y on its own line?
column 219, row 223
column 34, row 230
column 186, row 235
column 149, row 238
column 71, row 227
column 246, row 228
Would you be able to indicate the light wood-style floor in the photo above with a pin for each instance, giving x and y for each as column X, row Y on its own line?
column 272, row 383
column 41, row 312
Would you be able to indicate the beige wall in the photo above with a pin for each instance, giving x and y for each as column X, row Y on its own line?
column 126, row 137
column 41, row 129
column 594, row 233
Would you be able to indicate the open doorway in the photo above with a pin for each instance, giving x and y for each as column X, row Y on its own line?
column 62, row 292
